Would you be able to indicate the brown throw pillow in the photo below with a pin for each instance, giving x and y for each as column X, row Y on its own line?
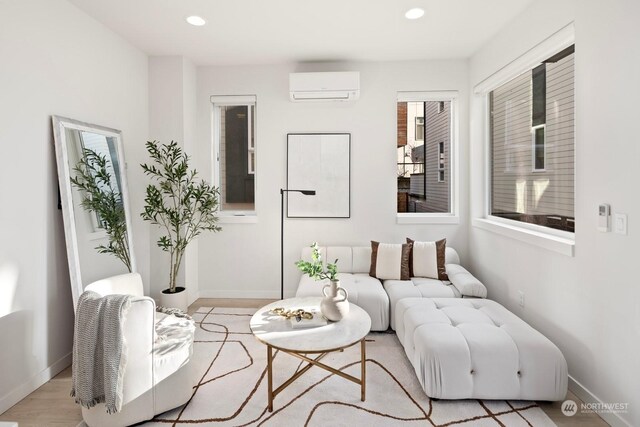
column 428, row 259
column 390, row 261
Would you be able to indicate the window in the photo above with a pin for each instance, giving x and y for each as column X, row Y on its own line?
column 424, row 159
column 419, row 129
column 440, row 161
column 235, row 152
column 538, row 148
column 532, row 145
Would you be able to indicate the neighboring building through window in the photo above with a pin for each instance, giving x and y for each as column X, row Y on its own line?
column 235, row 151
column 423, row 178
column 533, row 144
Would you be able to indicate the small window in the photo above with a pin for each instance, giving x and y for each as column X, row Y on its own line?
column 419, row 128
column 539, row 95
column 441, row 161
column 423, row 162
column 538, row 148
column 235, row 152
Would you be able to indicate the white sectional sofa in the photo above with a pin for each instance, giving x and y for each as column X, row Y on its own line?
column 469, row 348
column 379, row 298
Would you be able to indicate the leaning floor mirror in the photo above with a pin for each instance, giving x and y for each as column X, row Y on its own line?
column 94, row 199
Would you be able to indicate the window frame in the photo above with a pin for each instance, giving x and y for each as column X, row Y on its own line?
column 251, row 144
column 453, row 216
column 217, row 101
column 559, row 241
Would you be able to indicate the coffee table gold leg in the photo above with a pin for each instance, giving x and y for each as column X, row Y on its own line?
column 363, row 372
column 269, row 378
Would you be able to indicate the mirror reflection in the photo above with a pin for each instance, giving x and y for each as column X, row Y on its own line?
column 95, row 207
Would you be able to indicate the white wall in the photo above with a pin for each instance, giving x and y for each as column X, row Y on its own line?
column 589, row 305
column 172, row 117
column 54, row 60
column 244, row 259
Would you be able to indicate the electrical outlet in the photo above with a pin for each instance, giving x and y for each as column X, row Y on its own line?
column 521, row 299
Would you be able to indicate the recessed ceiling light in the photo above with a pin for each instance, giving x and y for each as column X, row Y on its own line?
column 196, row 20
column 414, row 13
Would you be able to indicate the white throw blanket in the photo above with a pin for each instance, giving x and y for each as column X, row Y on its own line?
column 99, row 350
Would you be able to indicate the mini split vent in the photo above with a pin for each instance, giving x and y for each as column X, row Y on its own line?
column 333, row 86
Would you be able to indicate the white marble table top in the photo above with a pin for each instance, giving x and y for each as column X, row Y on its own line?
column 276, row 330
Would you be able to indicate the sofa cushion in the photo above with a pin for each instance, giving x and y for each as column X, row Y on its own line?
column 390, row 261
column 418, row 287
column 355, row 259
column 428, row 259
column 364, row 291
column 465, row 282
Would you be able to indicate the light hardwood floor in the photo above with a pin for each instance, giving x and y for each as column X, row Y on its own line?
column 50, row 405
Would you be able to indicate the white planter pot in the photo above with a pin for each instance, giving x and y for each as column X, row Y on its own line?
column 177, row 299
column 334, row 305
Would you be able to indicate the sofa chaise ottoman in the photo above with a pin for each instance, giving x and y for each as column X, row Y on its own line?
column 477, row 349
column 379, row 298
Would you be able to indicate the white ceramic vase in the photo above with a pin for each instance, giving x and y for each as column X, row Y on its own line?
column 334, row 305
column 177, row 299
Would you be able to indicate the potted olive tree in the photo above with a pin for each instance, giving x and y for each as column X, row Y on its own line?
column 182, row 205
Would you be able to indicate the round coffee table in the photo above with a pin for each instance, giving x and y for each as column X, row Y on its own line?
column 276, row 332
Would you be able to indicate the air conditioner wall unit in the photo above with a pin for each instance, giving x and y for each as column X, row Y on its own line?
column 327, row 86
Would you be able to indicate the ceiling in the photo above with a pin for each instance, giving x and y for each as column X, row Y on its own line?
column 274, row 31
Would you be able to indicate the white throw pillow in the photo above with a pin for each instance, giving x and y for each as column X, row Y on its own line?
column 428, row 258
column 425, row 259
column 390, row 261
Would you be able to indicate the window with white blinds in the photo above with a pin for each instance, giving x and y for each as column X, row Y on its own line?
column 533, row 143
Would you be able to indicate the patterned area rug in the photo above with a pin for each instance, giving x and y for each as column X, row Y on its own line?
column 231, row 388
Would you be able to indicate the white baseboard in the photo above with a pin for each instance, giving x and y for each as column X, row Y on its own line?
column 28, row 387
column 614, row 420
column 213, row 293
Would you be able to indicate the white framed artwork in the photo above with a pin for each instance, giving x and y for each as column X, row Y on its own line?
column 320, row 162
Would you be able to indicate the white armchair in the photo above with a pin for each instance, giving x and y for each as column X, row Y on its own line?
column 158, row 375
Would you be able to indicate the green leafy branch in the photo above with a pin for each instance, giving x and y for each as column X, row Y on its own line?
column 182, row 206
column 315, row 269
column 102, row 197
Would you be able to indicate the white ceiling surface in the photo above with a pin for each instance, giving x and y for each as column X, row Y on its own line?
column 274, row 31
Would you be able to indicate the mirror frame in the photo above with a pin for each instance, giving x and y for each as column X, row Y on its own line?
column 60, row 124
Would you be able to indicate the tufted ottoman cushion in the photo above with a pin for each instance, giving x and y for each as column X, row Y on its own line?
column 477, row 349
column 417, row 287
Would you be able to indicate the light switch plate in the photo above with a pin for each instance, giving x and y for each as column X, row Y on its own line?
column 620, row 223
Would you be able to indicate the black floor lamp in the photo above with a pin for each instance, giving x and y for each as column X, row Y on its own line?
column 282, row 191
